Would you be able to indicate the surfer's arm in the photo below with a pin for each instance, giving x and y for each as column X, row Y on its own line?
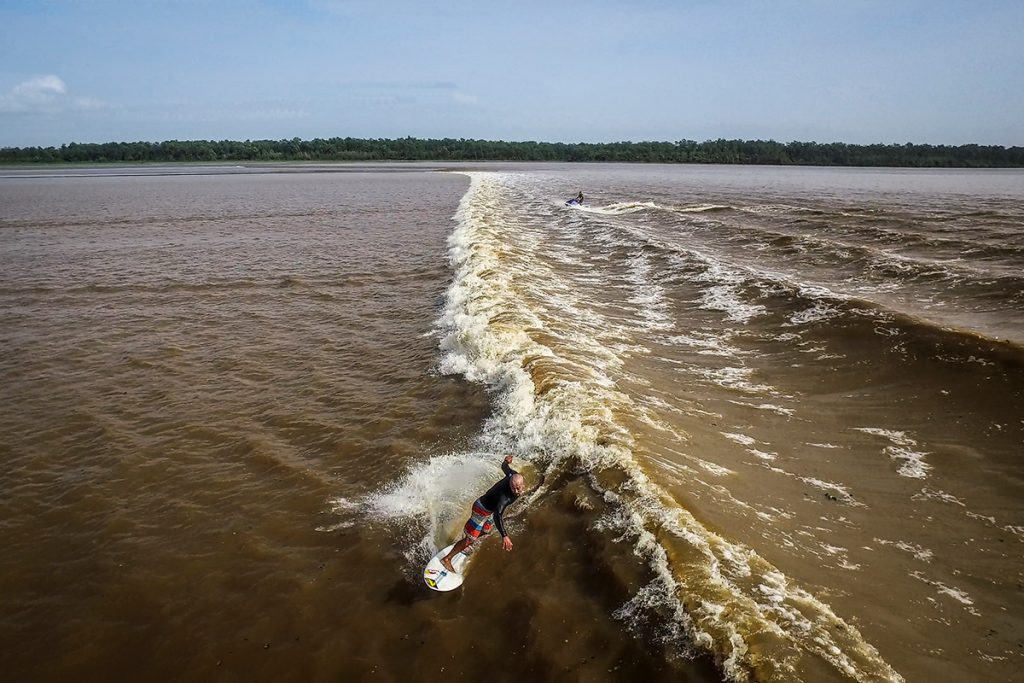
column 500, row 522
column 506, row 542
column 506, row 497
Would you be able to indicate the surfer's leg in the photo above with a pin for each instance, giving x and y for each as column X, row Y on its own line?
column 459, row 547
column 479, row 522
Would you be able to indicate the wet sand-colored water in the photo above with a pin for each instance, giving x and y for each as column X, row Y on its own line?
column 770, row 421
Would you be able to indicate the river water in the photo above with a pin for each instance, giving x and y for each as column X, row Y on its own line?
column 771, row 422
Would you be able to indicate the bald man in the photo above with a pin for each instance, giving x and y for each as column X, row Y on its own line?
column 487, row 507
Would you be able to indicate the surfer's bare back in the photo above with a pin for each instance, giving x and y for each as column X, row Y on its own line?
column 488, row 507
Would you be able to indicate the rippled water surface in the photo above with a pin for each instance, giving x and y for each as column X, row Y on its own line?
column 771, row 422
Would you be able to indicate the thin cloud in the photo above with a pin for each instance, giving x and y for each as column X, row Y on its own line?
column 47, row 94
column 465, row 98
column 394, row 86
column 211, row 112
column 40, row 94
column 41, row 85
column 88, row 104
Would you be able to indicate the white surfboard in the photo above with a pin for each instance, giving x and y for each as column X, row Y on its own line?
column 439, row 578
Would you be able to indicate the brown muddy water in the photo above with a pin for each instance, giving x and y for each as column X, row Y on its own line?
column 771, row 421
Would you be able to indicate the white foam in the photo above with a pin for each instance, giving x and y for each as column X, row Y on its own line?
column 726, row 298
column 699, row 208
column 702, row 598
column 816, row 313
column 841, row 554
column 749, row 442
column 827, row 486
column 919, row 552
column 706, row 344
column 678, row 471
column 722, row 292
column 984, row 518
column 935, row 494
column 648, row 295
column 788, row 412
column 340, row 506
column 736, row 378
column 616, row 209
column 957, row 594
column 443, row 481
column 741, row 439
column 901, row 449
column 763, row 455
column 714, row 469
column 432, row 498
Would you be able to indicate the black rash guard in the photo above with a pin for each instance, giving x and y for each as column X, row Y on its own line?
column 499, row 496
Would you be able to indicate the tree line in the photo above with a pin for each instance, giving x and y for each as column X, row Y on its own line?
column 449, row 149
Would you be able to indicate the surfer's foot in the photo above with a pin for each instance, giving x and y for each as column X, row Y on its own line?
column 448, row 565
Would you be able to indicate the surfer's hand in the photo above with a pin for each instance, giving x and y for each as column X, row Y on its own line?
column 506, row 542
column 508, row 459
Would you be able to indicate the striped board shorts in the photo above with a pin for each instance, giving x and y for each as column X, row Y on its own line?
column 480, row 523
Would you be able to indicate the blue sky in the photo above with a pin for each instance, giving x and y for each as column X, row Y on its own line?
column 827, row 70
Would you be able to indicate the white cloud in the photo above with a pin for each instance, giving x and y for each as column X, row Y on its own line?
column 47, row 94
column 41, row 86
column 41, row 94
column 465, row 98
column 88, row 104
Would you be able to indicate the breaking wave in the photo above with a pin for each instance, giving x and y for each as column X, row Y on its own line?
column 552, row 363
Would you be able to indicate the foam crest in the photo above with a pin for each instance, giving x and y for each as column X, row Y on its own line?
column 723, row 293
column 818, row 312
column 701, row 208
column 486, row 326
column 901, row 449
column 705, row 343
column 648, row 295
column 432, row 498
column 618, row 209
column 737, row 379
column 727, row 592
column 505, row 324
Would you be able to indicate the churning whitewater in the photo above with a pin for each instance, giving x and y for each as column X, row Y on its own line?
column 522, row 317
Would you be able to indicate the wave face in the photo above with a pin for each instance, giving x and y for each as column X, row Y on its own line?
column 715, row 380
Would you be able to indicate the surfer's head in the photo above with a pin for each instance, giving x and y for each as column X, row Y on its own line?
column 518, row 484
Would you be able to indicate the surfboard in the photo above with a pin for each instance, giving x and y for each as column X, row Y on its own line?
column 440, row 579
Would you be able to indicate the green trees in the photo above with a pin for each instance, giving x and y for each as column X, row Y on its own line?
column 719, row 151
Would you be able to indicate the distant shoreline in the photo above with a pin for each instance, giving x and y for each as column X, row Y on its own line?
column 751, row 152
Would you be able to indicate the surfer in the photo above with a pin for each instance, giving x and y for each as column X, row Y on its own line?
column 487, row 512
